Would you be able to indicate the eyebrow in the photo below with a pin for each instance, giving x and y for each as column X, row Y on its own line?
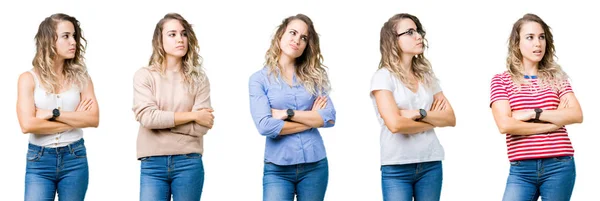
column 532, row 34
column 408, row 29
column 174, row 31
column 299, row 32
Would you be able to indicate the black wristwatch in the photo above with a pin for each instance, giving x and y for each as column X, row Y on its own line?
column 423, row 114
column 538, row 112
column 290, row 114
column 55, row 113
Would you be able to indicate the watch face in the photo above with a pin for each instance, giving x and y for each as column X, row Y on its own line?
column 538, row 110
column 55, row 112
column 423, row 112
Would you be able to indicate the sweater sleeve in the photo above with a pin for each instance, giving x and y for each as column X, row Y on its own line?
column 145, row 105
column 201, row 101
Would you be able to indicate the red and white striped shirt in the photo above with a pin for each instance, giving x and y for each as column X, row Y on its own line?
column 543, row 145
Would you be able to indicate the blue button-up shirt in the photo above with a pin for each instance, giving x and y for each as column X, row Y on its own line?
column 303, row 147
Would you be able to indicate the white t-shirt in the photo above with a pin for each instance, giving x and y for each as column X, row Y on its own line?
column 397, row 149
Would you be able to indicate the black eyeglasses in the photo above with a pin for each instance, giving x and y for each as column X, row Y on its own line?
column 410, row 32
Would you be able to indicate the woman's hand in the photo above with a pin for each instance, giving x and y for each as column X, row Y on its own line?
column 205, row 117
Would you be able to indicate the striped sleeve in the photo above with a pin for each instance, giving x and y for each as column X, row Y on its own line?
column 497, row 90
column 565, row 89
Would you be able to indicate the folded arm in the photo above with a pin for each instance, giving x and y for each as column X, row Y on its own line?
column 441, row 113
column 392, row 118
column 86, row 114
column 200, row 118
column 26, row 111
column 507, row 124
column 568, row 112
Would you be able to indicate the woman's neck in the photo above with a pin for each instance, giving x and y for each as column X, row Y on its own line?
column 286, row 63
column 172, row 64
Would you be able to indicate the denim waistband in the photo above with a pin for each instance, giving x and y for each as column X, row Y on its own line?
column 64, row 149
column 299, row 164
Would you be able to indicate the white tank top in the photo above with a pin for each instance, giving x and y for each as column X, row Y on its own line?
column 65, row 101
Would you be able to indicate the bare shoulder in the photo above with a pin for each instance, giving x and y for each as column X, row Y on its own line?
column 26, row 78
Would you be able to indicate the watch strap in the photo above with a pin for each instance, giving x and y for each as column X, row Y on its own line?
column 55, row 113
column 290, row 114
column 423, row 114
column 538, row 112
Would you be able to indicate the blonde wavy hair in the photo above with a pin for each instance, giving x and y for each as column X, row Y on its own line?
column 390, row 53
column 550, row 74
column 309, row 67
column 192, row 70
column 74, row 70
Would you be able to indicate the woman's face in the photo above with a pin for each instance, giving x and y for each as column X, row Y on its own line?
column 66, row 45
column 174, row 38
column 532, row 42
column 294, row 39
column 409, row 39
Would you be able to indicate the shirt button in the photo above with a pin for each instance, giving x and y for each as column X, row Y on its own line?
column 57, row 96
column 55, row 144
column 56, row 138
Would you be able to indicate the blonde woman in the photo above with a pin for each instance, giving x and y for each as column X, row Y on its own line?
column 55, row 101
column 172, row 105
column 289, row 101
column 532, row 102
column 409, row 104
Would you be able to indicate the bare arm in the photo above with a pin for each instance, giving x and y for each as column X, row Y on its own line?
column 392, row 118
column 313, row 118
column 507, row 124
column 292, row 128
column 83, row 118
column 26, row 111
column 441, row 113
column 568, row 112
column 309, row 118
column 181, row 118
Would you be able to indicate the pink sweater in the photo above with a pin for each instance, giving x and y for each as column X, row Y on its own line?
column 156, row 98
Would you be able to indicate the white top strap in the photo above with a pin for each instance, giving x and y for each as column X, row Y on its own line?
column 35, row 78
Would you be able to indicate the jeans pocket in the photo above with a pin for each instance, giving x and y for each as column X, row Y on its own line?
column 270, row 167
column 515, row 163
column 384, row 168
column 563, row 158
column 33, row 155
column 193, row 156
column 387, row 170
column 80, row 153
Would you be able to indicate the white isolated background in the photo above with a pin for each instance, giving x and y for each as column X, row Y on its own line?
column 468, row 45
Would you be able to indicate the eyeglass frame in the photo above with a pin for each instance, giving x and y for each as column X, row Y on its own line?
column 410, row 34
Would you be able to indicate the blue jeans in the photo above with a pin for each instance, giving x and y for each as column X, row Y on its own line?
column 62, row 170
column 308, row 181
column 423, row 181
column 551, row 178
column 179, row 175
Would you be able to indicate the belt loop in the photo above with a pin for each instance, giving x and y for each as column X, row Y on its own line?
column 41, row 150
column 70, row 148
